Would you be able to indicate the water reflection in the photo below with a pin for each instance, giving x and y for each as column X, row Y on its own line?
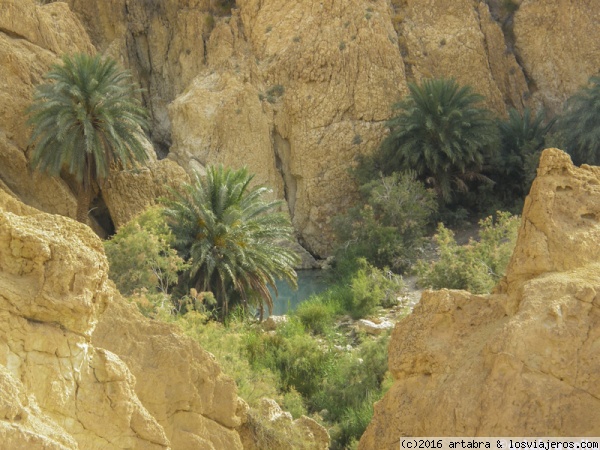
column 309, row 282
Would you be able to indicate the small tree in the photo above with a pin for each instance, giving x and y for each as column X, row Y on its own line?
column 388, row 228
column 580, row 125
column 441, row 135
column 234, row 240
column 86, row 120
column 141, row 257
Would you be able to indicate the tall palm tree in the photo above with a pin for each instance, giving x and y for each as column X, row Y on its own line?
column 580, row 124
column 441, row 135
column 86, row 120
column 523, row 138
column 234, row 239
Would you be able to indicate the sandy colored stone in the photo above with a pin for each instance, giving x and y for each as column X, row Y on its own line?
column 268, row 426
column 161, row 42
column 455, row 39
column 182, row 385
column 556, row 42
column 131, row 192
column 523, row 361
column 53, row 285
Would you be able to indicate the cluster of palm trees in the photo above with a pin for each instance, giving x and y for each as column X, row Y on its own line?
column 87, row 122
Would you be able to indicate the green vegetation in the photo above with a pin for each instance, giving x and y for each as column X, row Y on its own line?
column 579, row 124
column 233, row 239
column 476, row 267
column 440, row 134
column 389, row 227
column 141, row 256
column 523, row 137
column 86, row 121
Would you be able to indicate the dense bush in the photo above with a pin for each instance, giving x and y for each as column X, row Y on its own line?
column 389, row 227
column 477, row 266
column 141, row 257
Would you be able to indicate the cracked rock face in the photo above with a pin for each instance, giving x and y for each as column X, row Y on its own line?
column 53, row 286
column 523, row 361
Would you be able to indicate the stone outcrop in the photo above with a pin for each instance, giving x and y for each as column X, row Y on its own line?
column 181, row 385
column 136, row 384
column 522, row 361
column 270, row 427
column 460, row 40
column 557, row 45
column 53, row 287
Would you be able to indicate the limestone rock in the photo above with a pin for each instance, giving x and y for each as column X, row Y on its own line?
column 129, row 193
column 161, row 42
column 454, row 39
column 181, row 385
column 271, row 427
column 32, row 37
column 53, row 285
column 556, row 42
column 521, row 361
column 373, row 328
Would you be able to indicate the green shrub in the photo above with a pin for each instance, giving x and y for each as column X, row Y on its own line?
column 477, row 266
column 372, row 288
column 388, row 229
column 297, row 358
column 315, row 315
column 140, row 255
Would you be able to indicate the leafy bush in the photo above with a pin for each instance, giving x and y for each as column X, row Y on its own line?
column 140, row 255
column 372, row 288
column 579, row 124
column 315, row 315
column 296, row 357
column 388, row 229
column 477, row 266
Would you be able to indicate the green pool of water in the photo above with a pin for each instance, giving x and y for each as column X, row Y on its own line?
column 309, row 282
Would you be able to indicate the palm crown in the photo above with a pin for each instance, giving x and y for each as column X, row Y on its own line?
column 86, row 120
column 580, row 124
column 440, row 134
column 233, row 238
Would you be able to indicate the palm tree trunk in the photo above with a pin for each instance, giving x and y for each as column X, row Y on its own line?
column 84, row 198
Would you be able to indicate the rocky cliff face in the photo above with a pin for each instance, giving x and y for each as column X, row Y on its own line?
column 293, row 90
column 523, row 360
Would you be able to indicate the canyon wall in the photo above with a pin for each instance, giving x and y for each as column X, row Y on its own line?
column 522, row 361
column 293, row 90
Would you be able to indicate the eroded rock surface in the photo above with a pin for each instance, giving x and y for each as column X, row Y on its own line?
column 522, row 361
column 53, row 286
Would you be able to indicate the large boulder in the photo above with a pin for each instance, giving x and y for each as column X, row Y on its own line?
column 520, row 362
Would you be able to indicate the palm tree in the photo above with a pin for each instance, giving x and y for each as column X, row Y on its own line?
column 86, row 121
column 441, row 135
column 580, row 124
column 233, row 238
column 523, row 138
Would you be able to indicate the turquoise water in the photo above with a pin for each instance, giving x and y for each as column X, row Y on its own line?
column 309, row 282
